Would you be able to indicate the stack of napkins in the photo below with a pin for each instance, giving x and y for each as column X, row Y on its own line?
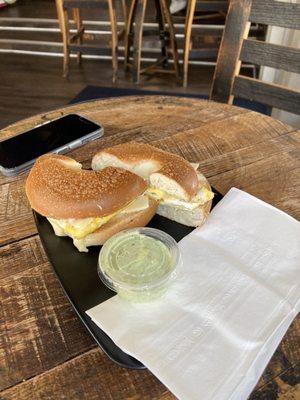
column 213, row 333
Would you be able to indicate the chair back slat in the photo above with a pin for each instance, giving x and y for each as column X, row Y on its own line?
column 236, row 47
column 271, row 55
column 236, row 29
column 278, row 13
column 212, row 5
column 270, row 94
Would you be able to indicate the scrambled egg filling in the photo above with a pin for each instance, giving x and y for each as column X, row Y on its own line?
column 202, row 196
column 79, row 228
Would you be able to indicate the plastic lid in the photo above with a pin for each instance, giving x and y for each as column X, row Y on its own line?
column 138, row 259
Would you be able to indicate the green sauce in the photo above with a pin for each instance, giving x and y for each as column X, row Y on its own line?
column 136, row 265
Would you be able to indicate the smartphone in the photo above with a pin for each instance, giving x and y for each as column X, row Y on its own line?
column 58, row 136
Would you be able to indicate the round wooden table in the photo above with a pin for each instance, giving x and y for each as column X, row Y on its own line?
column 45, row 352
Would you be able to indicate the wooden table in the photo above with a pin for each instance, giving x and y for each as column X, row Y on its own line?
column 45, row 352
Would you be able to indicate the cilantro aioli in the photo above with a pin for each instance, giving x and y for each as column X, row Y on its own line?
column 138, row 263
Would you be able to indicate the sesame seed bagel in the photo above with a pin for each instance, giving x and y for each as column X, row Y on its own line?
column 57, row 187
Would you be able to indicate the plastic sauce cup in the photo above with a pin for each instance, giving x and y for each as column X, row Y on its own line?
column 139, row 263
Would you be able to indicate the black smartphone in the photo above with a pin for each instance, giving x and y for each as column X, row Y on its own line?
column 58, row 136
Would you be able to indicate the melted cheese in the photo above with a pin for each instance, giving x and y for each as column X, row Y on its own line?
column 195, row 165
column 81, row 227
column 139, row 204
column 202, row 196
column 156, row 193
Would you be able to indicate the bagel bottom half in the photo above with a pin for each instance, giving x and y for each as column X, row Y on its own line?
column 193, row 218
column 115, row 225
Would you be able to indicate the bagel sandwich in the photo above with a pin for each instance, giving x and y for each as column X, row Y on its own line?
column 184, row 194
column 88, row 206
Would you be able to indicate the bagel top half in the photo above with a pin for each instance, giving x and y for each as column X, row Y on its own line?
column 159, row 167
column 57, row 187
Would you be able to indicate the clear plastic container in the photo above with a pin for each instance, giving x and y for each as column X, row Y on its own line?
column 139, row 263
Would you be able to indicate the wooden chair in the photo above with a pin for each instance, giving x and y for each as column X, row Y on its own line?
column 212, row 9
column 237, row 47
column 134, row 34
column 75, row 42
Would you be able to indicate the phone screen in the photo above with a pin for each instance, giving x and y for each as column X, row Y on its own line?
column 43, row 139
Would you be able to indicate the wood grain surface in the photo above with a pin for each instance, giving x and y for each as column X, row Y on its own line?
column 45, row 352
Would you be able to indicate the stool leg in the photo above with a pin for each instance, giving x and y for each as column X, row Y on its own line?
column 128, row 33
column 59, row 13
column 173, row 43
column 78, row 23
column 124, row 10
column 187, row 38
column 121, row 33
column 66, row 43
column 114, row 38
column 162, row 33
column 138, row 37
column 64, row 27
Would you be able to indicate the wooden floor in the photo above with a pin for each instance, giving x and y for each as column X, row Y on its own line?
column 32, row 84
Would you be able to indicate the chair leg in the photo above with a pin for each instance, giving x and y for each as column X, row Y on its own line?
column 187, row 38
column 137, row 41
column 64, row 27
column 128, row 33
column 78, row 23
column 173, row 42
column 114, row 38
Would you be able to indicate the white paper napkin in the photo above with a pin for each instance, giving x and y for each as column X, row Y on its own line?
column 217, row 327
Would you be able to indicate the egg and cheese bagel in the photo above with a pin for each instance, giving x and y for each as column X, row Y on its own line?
column 58, row 187
column 88, row 206
column 183, row 193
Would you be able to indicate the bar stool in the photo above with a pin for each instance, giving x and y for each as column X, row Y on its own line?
column 212, row 10
column 134, row 38
column 74, row 43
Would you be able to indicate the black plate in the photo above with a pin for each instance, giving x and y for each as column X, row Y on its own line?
column 77, row 274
